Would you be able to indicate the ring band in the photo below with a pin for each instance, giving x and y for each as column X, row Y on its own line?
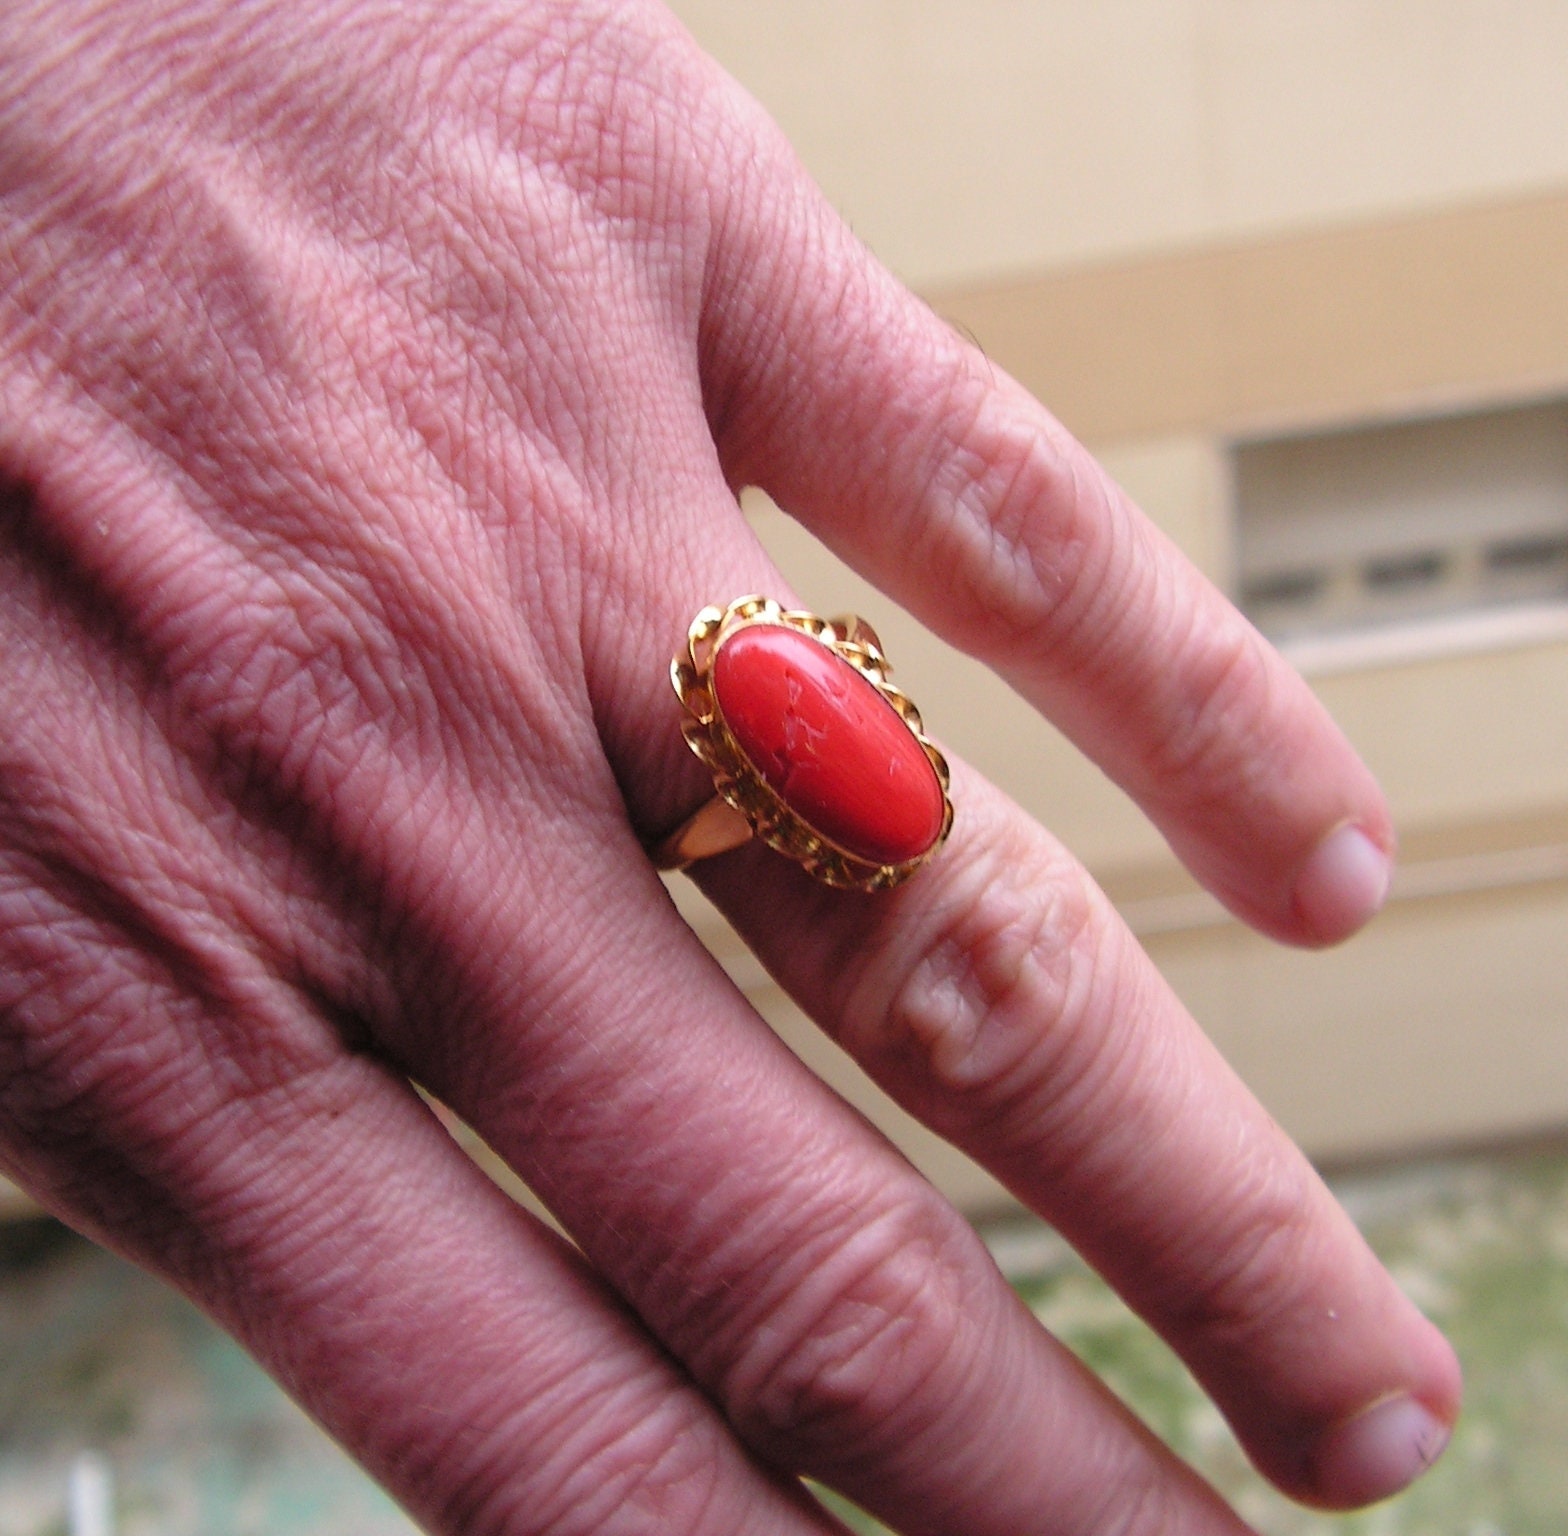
column 811, row 747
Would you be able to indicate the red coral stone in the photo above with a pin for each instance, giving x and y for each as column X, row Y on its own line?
column 832, row 748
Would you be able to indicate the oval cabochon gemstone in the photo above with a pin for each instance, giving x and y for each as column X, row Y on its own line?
column 830, row 746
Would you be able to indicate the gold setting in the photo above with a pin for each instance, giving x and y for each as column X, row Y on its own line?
column 746, row 802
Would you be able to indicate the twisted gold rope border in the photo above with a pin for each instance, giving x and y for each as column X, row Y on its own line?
column 738, row 781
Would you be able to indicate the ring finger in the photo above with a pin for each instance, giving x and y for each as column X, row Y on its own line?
column 998, row 997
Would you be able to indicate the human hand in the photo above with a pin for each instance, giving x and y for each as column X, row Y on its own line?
column 375, row 384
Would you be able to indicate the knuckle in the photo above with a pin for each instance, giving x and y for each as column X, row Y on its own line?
column 978, row 1004
column 1258, row 1265
column 1210, row 733
column 592, row 1466
column 857, row 1340
column 564, row 85
column 1032, row 531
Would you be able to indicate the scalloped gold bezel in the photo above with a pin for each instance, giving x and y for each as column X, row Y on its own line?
column 740, row 783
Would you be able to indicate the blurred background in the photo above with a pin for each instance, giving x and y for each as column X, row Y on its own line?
column 1298, row 273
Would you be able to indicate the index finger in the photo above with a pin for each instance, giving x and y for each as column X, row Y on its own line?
column 945, row 483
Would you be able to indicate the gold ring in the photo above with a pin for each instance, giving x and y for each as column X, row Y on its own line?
column 811, row 747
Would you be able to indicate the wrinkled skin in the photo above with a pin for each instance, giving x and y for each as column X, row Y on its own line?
column 375, row 387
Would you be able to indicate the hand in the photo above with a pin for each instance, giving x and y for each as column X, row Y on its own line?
column 375, row 385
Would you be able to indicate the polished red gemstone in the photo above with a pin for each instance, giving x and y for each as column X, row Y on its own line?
column 832, row 748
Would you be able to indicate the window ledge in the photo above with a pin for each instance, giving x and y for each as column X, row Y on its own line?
column 1427, row 640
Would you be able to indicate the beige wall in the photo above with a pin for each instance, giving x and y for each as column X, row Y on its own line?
column 1183, row 223
column 968, row 138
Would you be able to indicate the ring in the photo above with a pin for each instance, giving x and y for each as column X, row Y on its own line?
column 811, row 748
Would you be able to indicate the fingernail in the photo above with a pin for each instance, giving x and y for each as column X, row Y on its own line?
column 1380, row 1451
column 1343, row 884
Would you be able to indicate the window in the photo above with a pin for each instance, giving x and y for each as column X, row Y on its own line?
column 1376, row 528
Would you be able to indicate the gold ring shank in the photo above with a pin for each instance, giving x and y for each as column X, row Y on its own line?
column 716, row 827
